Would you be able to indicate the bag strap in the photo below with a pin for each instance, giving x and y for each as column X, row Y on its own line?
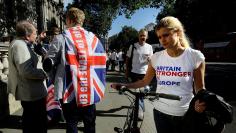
column 132, row 52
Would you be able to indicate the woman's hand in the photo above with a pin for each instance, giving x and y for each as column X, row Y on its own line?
column 199, row 106
column 117, row 86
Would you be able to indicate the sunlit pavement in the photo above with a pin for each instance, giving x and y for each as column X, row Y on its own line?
column 111, row 112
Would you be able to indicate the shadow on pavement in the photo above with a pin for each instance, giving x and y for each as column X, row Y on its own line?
column 108, row 112
column 12, row 122
column 62, row 125
column 115, row 77
column 15, row 122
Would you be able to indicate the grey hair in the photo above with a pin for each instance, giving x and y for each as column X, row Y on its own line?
column 143, row 31
column 24, row 28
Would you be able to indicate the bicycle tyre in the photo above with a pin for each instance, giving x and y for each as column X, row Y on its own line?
column 129, row 119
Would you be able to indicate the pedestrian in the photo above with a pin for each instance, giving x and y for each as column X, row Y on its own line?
column 175, row 68
column 79, row 69
column 27, row 79
column 53, row 32
column 113, row 60
column 139, row 54
column 108, row 60
column 53, row 107
column 121, row 60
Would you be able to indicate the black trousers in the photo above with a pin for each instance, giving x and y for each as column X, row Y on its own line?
column 34, row 118
column 121, row 66
column 167, row 123
column 136, row 77
column 73, row 114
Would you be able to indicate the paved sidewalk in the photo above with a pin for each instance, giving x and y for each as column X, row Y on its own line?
column 111, row 112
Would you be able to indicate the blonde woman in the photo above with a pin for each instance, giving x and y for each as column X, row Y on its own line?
column 175, row 68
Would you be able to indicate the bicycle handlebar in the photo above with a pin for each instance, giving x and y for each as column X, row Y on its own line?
column 158, row 95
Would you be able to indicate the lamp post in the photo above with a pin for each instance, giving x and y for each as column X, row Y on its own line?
column 40, row 15
column 60, row 11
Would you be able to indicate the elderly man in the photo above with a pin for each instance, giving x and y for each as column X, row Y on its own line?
column 26, row 79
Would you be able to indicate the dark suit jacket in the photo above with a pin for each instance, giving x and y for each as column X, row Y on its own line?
column 26, row 76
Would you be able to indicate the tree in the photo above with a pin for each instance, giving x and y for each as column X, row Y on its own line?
column 207, row 17
column 12, row 11
column 124, row 39
column 101, row 13
column 202, row 18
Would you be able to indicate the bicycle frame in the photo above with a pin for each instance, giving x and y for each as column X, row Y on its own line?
column 133, row 121
column 132, row 118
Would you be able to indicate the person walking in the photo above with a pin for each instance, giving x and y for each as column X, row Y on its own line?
column 113, row 60
column 79, row 70
column 27, row 79
column 108, row 60
column 139, row 54
column 176, row 68
column 120, row 57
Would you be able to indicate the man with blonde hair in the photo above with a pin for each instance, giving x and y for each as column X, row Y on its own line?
column 79, row 77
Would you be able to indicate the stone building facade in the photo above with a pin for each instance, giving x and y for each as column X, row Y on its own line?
column 45, row 14
column 4, row 99
column 51, row 12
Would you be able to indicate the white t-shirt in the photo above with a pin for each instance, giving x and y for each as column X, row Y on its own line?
column 113, row 55
column 140, row 56
column 120, row 56
column 175, row 76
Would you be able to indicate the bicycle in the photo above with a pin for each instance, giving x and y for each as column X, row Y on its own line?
column 131, row 123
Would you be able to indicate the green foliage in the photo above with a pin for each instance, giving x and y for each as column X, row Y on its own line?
column 101, row 13
column 124, row 39
column 167, row 8
column 12, row 11
column 152, row 37
column 208, row 17
column 202, row 18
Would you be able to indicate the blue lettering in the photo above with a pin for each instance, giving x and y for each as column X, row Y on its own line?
column 168, row 68
column 169, row 83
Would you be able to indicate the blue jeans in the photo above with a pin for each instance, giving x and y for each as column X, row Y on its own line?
column 167, row 123
column 141, row 104
column 141, row 100
column 73, row 114
column 135, row 77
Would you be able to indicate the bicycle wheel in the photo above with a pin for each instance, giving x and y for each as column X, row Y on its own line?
column 129, row 119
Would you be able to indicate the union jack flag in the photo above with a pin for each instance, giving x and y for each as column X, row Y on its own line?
column 54, row 110
column 85, row 67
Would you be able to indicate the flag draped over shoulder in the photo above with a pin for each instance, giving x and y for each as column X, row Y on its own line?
column 85, row 67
